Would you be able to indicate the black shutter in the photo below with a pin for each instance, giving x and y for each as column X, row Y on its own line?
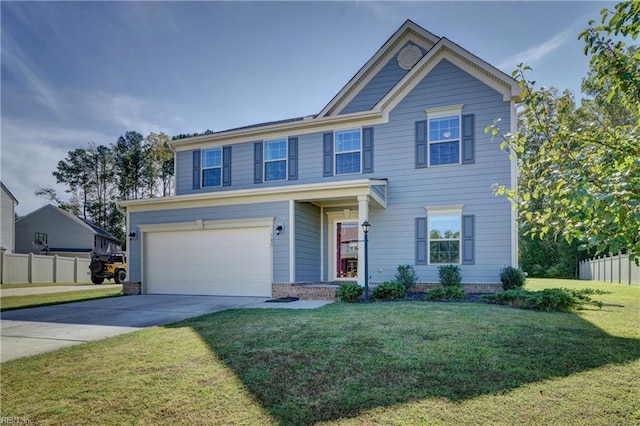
column 468, row 155
column 226, row 166
column 196, row 169
column 421, row 241
column 468, row 245
column 327, row 154
column 367, row 150
column 257, row 162
column 421, row 144
column 293, row 158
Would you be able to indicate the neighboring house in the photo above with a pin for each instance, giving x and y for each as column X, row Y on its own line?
column 8, row 205
column 402, row 145
column 51, row 230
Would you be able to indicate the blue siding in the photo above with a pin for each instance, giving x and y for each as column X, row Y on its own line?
column 307, row 242
column 379, row 86
column 409, row 190
column 279, row 210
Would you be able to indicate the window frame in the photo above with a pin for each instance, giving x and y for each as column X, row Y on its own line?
column 336, row 153
column 203, row 168
column 285, row 140
column 439, row 212
column 438, row 113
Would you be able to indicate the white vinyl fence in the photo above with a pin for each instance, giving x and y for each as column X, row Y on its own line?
column 613, row 269
column 31, row 268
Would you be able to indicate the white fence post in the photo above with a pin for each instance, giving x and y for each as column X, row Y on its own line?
column 614, row 269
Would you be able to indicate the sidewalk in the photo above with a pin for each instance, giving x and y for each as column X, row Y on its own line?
column 55, row 289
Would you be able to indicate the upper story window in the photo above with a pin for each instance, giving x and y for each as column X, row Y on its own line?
column 212, row 167
column 444, row 135
column 348, row 149
column 275, row 160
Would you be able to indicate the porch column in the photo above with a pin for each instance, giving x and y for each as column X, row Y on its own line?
column 363, row 214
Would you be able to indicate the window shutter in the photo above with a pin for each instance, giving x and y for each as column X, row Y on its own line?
column 327, row 154
column 196, row 169
column 367, row 150
column 468, row 245
column 293, row 158
column 421, row 144
column 257, row 162
column 226, row 166
column 421, row 241
column 467, row 139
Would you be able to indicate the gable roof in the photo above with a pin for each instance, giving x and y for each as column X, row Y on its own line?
column 437, row 49
column 83, row 222
column 5, row 189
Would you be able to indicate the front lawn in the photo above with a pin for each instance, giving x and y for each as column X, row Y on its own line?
column 8, row 303
column 382, row 363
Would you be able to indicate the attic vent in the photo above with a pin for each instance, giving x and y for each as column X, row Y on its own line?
column 409, row 56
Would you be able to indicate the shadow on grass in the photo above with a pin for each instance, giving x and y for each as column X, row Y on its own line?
column 312, row 366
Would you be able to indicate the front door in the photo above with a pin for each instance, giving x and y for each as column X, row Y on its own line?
column 346, row 249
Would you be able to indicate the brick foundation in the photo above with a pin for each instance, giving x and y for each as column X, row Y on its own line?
column 327, row 290
column 131, row 288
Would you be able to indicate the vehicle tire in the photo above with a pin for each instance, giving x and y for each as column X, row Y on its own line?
column 97, row 280
column 96, row 266
column 120, row 276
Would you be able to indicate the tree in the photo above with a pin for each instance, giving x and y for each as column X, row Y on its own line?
column 580, row 167
column 159, row 165
column 51, row 195
column 130, row 165
column 75, row 171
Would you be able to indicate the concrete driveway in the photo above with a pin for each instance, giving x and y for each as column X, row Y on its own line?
column 31, row 331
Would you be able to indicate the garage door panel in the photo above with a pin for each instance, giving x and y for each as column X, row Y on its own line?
column 229, row 262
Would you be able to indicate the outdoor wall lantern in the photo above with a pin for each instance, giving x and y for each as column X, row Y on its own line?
column 132, row 235
column 365, row 229
column 279, row 229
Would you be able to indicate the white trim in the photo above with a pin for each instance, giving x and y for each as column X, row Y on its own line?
column 265, row 161
column 314, row 191
column 336, row 153
column 207, row 224
column 444, row 211
column 335, row 217
column 292, row 241
column 322, row 275
column 203, row 168
column 373, row 65
column 442, row 112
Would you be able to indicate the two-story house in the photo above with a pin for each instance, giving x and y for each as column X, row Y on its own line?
column 401, row 146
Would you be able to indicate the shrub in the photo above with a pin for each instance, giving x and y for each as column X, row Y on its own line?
column 349, row 292
column 446, row 293
column 388, row 290
column 550, row 299
column 512, row 278
column 449, row 275
column 406, row 276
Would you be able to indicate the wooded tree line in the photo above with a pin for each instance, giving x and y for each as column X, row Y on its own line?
column 99, row 175
column 579, row 164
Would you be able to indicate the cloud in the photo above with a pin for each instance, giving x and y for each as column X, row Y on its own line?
column 21, row 67
column 536, row 53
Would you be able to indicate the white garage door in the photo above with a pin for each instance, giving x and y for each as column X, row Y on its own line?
column 224, row 262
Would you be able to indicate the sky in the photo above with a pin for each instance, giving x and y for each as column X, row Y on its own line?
column 73, row 73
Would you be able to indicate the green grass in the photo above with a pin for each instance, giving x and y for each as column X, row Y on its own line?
column 8, row 303
column 33, row 285
column 382, row 363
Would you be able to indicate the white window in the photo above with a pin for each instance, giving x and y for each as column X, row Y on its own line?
column 212, row 167
column 444, row 226
column 444, row 131
column 348, row 151
column 275, row 160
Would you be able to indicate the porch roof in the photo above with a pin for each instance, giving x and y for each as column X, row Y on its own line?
column 326, row 194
